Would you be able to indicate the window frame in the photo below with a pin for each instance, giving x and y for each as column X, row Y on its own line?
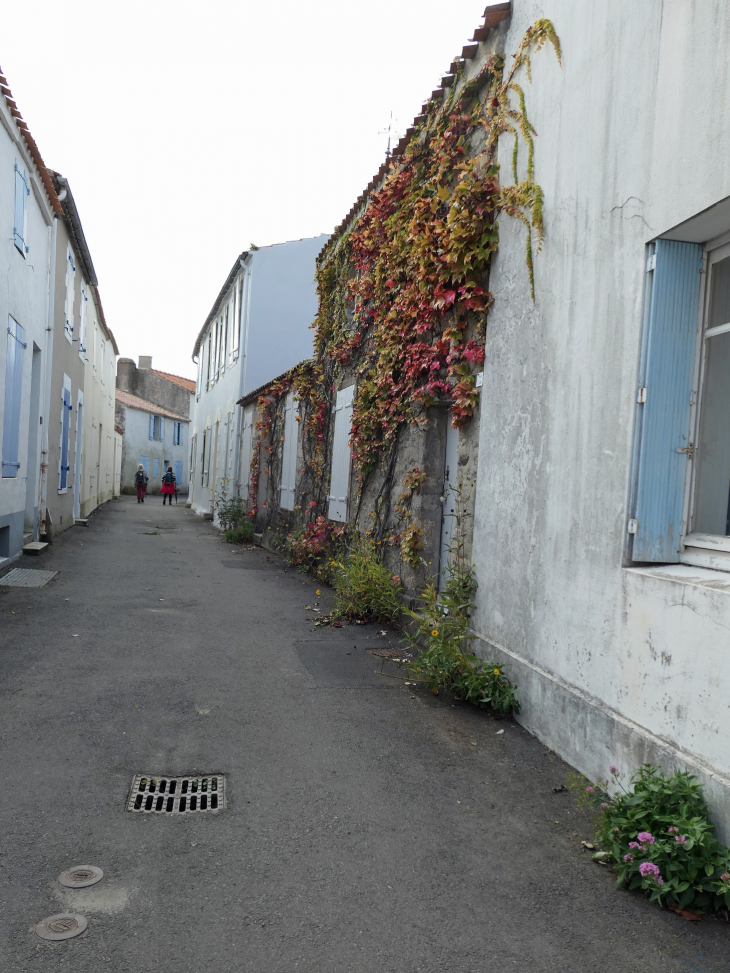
column 68, row 327
column 698, row 548
column 21, row 174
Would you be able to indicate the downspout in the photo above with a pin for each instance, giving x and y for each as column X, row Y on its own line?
column 242, row 336
column 48, row 371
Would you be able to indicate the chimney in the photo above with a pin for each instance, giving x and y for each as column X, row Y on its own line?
column 126, row 374
column 145, row 361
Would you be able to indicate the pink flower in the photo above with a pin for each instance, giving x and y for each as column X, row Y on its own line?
column 645, row 838
column 613, row 768
column 673, row 831
column 681, row 839
column 589, row 790
column 650, row 870
column 725, row 877
column 634, row 844
column 628, row 857
column 604, row 805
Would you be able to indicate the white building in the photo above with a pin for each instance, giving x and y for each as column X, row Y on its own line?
column 258, row 328
column 602, row 537
column 28, row 204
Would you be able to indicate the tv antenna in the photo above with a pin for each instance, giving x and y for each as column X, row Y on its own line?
column 388, row 131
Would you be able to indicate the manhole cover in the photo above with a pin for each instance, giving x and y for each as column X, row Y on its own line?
column 65, row 925
column 27, row 578
column 80, row 876
column 177, row 795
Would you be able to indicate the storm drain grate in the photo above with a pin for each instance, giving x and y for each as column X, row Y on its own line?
column 177, row 795
column 26, row 578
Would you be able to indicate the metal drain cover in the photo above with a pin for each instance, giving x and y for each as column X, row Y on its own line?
column 26, row 578
column 65, row 925
column 80, row 876
column 177, row 795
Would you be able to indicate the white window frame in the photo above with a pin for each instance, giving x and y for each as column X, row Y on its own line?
column 82, row 320
column 699, row 549
column 20, row 235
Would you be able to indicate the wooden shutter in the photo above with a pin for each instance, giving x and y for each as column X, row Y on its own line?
column 162, row 429
column 178, row 473
column 21, row 202
column 236, row 324
column 673, row 293
column 155, row 467
column 13, row 386
column 70, row 288
column 340, row 480
column 145, row 461
column 65, row 429
column 289, row 456
column 152, row 427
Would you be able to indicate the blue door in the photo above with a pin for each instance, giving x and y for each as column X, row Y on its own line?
column 178, row 472
column 145, row 461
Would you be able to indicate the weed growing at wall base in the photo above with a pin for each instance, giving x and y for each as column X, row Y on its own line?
column 660, row 838
column 366, row 588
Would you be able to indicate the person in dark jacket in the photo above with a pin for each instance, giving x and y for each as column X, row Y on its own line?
column 168, row 486
column 140, row 481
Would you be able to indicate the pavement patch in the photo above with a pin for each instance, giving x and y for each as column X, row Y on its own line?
column 340, row 665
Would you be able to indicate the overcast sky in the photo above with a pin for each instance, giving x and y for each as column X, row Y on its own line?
column 189, row 130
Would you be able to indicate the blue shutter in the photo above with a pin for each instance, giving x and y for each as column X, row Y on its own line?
column 178, row 472
column 145, row 461
column 152, row 427
column 155, row 467
column 21, row 194
column 65, row 425
column 162, row 429
column 13, row 385
column 663, row 424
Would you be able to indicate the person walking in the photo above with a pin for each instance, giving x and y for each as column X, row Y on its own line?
column 168, row 486
column 140, row 481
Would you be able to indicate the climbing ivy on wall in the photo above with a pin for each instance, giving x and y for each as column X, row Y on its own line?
column 403, row 298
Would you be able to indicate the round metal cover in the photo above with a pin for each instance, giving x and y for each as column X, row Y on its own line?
column 80, row 876
column 65, row 925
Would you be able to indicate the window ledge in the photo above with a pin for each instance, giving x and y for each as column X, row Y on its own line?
column 687, row 573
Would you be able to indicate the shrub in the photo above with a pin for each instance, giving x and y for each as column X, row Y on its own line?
column 442, row 638
column 661, row 839
column 366, row 588
column 314, row 548
column 231, row 512
column 239, row 535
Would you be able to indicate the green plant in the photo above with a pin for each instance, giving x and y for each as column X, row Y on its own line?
column 366, row 588
column 230, row 511
column 239, row 535
column 441, row 636
column 314, row 548
column 661, row 839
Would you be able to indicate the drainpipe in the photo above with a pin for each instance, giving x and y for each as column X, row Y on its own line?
column 48, row 370
column 245, row 304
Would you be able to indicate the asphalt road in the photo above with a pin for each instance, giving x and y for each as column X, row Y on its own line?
column 370, row 827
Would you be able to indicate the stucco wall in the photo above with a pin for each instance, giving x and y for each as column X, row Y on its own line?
column 24, row 295
column 147, row 384
column 97, row 485
column 614, row 664
column 137, row 443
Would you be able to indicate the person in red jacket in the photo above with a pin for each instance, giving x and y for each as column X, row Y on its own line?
column 168, row 486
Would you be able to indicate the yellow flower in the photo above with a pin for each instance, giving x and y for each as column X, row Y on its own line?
column 317, row 591
column 496, row 672
column 435, row 632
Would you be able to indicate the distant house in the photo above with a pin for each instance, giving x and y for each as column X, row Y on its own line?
column 258, row 327
column 81, row 453
column 152, row 416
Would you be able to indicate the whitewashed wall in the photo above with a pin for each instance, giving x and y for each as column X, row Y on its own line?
column 614, row 664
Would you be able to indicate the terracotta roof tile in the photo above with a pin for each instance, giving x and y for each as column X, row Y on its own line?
column 186, row 383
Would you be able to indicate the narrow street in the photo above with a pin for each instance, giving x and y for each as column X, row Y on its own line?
column 369, row 826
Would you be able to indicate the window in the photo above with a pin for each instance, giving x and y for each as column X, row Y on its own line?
column 340, row 479
column 102, row 347
column 208, row 359
column 682, row 451
column 68, row 328
column 236, row 322
column 289, row 455
column 224, row 340
column 157, row 428
column 22, row 192
column 13, row 384
column 177, row 434
column 82, row 321
column 214, row 365
column 203, row 464
column 155, row 467
column 199, row 376
column 66, row 407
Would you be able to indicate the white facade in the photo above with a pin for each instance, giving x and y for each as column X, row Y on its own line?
column 617, row 661
column 259, row 327
column 26, row 236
